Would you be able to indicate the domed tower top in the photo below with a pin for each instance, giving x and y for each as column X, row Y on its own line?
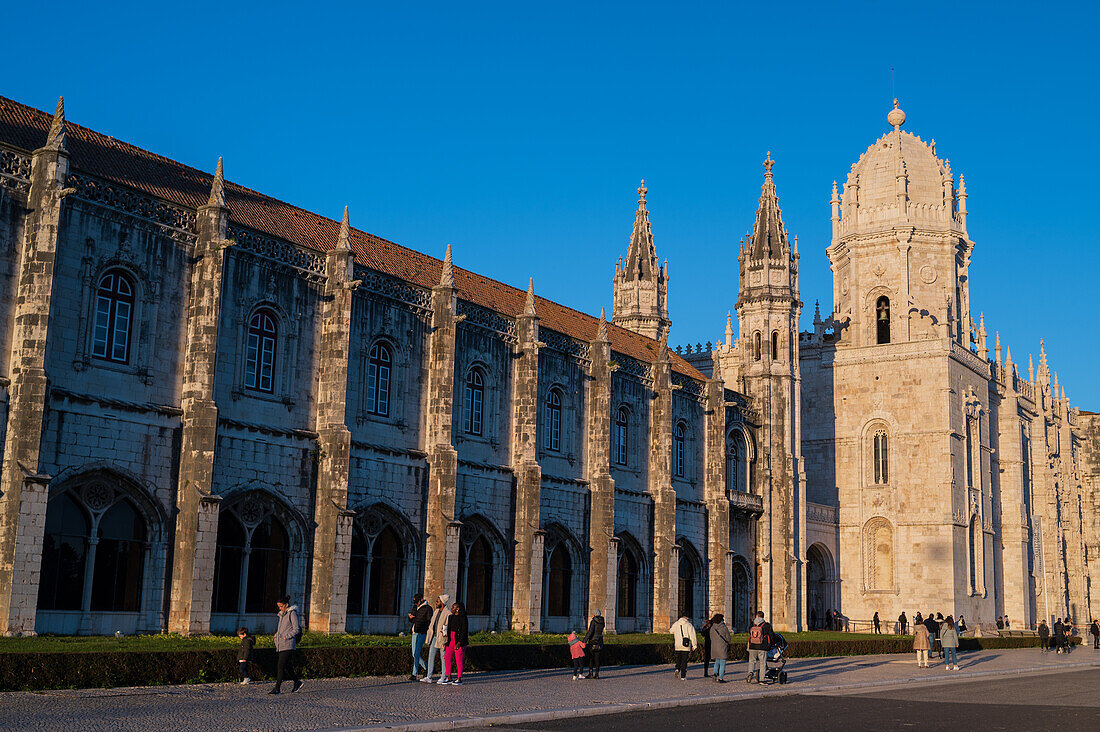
column 896, row 118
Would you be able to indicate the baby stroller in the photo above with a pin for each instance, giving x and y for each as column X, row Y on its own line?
column 774, row 661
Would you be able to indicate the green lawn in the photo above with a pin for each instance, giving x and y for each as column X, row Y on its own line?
column 172, row 642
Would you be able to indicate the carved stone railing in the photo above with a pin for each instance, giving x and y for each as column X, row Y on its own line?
column 276, row 250
column 687, row 384
column 15, row 171
column 489, row 319
column 822, row 514
column 179, row 222
column 565, row 344
column 632, row 366
column 393, row 288
column 747, row 502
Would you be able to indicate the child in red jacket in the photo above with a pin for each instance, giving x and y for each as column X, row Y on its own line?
column 576, row 650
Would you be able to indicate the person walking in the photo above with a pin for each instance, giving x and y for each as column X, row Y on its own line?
column 421, row 618
column 1094, row 631
column 684, row 640
column 1000, row 623
column 903, row 623
column 705, row 630
column 1008, row 623
column 921, row 644
column 593, row 644
column 576, row 652
column 437, row 636
column 244, row 654
column 949, row 642
column 1059, row 635
column 875, row 619
column 1044, row 636
column 719, row 646
column 961, row 626
column 760, row 640
column 458, row 637
column 287, row 635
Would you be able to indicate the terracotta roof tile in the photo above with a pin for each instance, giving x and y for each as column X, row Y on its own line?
column 105, row 157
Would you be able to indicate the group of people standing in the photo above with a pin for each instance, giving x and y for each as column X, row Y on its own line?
column 1062, row 638
column 927, row 631
column 446, row 628
column 716, row 646
column 832, row 620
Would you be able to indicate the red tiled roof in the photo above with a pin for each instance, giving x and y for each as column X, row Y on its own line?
column 124, row 164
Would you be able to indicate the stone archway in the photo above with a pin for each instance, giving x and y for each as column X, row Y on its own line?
column 819, row 584
column 741, row 589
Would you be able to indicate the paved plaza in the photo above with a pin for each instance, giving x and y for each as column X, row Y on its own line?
column 511, row 697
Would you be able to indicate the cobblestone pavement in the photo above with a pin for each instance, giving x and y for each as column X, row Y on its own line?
column 351, row 703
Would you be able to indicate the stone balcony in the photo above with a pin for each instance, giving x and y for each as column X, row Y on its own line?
column 748, row 502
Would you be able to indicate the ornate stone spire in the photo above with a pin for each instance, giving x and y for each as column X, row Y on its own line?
column 447, row 276
column 769, row 237
column 344, row 240
column 641, row 285
column 641, row 256
column 56, row 139
column 729, row 329
column 601, row 331
column 217, row 188
column 1030, row 369
column 529, row 306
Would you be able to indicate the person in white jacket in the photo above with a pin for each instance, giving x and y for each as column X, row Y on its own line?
column 437, row 636
column 684, row 640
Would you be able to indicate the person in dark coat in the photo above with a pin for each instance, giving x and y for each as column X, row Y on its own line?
column 705, row 630
column 1059, row 635
column 421, row 618
column 593, row 644
column 903, row 623
column 1044, row 636
column 458, row 637
column 719, row 646
column 244, row 654
column 876, row 621
column 813, row 619
column 1094, row 631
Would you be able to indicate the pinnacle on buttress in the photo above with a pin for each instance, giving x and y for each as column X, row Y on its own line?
column 217, row 188
column 344, row 240
column 447, row 276
column 1030, row 369
column 55, row 140
column 529, row 306
column 601, row 331
column 729, row 329
column 817, row 312
column 662, row 347
column 768, row 239
column 641, row 255
column 1008, row 357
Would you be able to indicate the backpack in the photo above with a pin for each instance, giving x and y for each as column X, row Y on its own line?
column 756, row 634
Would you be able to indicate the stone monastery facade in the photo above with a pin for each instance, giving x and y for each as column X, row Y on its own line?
column 210, row 398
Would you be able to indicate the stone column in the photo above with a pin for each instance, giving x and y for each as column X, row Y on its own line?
column 196, row 506
column 602, row 564
column 714, row 491
column 527, row 564
column 328, row 600
column 441, row 548
column 665, row 569
column 23, row 490
column 1013, row 512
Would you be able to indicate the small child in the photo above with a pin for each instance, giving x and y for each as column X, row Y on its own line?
column 244, row 654
column 576, row 650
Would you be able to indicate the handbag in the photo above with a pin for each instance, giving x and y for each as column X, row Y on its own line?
column 685, row 642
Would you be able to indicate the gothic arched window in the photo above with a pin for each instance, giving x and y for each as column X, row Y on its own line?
column 969, row 452
column 259, row 365
column 687, row 586
column 737, row 456
column 251, row 559
column 679, row 438
column 881, row 457
column 475, row 401
column 775, row 345
column 627, row 606
column 882, row 320
column 268, row 560
column 551, row 420
column 357, row 573
column 387, row 562
column 379, row 368
column 559, row 581
column 622, row 433
column 65, row 545
column 478, row 571
column 973, row 537
column 756, row 346
column 119, row 560
column 114, row 311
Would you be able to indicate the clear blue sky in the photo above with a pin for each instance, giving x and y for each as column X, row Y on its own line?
column 518, row 131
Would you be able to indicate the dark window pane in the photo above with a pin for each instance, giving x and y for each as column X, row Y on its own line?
column 387, row 561
column 558, row 585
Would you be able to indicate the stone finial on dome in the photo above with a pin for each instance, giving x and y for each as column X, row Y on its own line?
column 896, row 118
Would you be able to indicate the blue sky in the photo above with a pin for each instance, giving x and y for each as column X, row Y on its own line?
column 518, row 132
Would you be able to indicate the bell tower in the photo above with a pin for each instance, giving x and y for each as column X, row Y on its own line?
column 768, row 307
column 641, row 285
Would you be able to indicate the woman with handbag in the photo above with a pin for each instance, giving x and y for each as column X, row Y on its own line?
column 685, row 640
column 593, row 644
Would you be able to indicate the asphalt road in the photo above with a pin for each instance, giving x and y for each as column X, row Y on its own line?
column 1065, row 701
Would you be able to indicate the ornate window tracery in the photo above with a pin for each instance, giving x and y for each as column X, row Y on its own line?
column 474, row 403
column 551, row 425
column 263, row 334
column 114, row 311
column 379, row 371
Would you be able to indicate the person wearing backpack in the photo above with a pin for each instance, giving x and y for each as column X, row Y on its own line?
column 684, row 640
column 287, row 635
column 760, row 640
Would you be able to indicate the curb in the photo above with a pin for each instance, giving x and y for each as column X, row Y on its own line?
column 607, row 709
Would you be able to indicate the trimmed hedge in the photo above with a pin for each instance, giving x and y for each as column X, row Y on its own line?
column 98, row 669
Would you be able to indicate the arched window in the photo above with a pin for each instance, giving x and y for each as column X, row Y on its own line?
column 475, row 399
column 882, row 319
column 881, row 457
column 551, row 420
column 627, row 605
column 679, row 438
column 622, row 434
column 357, row 573
column 104, row 574
column 119, row 560
column 775, row 345
column 969, row 452
column 379, row 366
column 259, row 365
column 973, row 536
column 687, row 586
column 386, row 569
column 737, row 456
column 756, row 346
column 560, row 579
column 64, row 547
column 252, row 558
column 114, row 310
column 478, row 571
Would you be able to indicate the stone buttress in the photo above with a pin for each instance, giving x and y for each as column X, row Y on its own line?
column 714, row 492
column 603, row 546
column 666, row 551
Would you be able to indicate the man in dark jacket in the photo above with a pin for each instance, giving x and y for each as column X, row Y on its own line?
column 1094, row 631
column 760, row 641
column 1059, row 635
column 593, row 644
column 421, row 618
column 933, row 632
column 1044, row 636
column 903, row 623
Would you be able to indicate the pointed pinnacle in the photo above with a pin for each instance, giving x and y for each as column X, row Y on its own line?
column 601, row 332
column 447, row 276
column 1008, row 356
column 56, row 139
column 529, row 306
column 662, row 347
column 344, row 241
column 217, row 188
